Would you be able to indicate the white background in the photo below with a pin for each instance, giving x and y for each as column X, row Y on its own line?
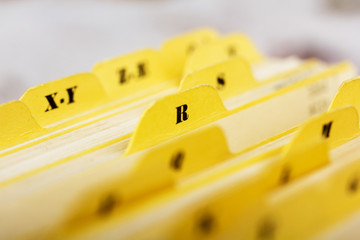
column 42, row 41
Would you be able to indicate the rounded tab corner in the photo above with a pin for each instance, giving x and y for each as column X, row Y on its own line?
column 131, row 73
column 229, row 78
column 17, row 123
column 64, row 98
column 176, row 114
column 347, row 94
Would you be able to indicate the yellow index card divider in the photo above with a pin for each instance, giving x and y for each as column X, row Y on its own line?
column 154, row 170
column 231, row 199
column 289, row 165
column 177, row 49
column 336, row 126
column 184, row 111
column 235, row 76
column 159, row 168
column 176, row 114
column 133, row 73
column 348, row 94
column 307, row 207
column 17, row 124
column 233, row 193
column 311, row 141
column 236, row 45
column 307, row 152
column 207, row 101
column 230, row 77
column 315, row 137
column 248, row 118
column 64, row 98
column 119, row 184
column 315, row 204
column 223, row 206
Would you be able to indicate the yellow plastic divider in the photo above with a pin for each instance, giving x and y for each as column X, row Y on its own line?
column 230, row 77
column 64, row 102
column 64, row 98
column 154, row 170
column 75, row 98
column 176, row 114
column 217, row 110
column 132, row 73
column 348, row 94
column 235, row 45
column 192, row 108
column 17, row 124
column 242, row 199
column 176, row 50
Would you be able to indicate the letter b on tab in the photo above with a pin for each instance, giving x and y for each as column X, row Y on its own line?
column 176, row 114
column 181, row 114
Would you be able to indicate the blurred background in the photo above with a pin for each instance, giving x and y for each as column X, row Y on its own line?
column 42, row 41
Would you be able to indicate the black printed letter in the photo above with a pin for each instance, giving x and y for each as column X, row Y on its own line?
column 220, row 81
column 231, row 51
column 181, row 114
column 122, row 76
column 141, row 68
column 52, row 104
column 326, row 130
column 71, row 92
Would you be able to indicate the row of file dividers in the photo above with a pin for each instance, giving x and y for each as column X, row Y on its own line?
column 206, row 138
